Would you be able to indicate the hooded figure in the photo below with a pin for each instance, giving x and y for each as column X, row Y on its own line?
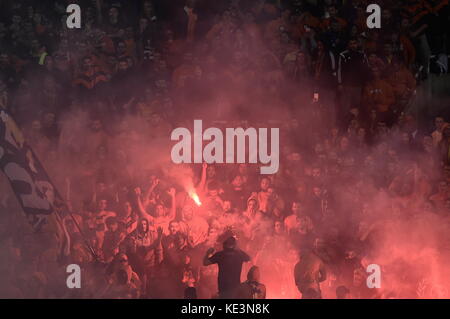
column 252, row 288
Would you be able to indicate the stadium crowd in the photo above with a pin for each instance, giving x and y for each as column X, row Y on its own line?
column 360, row 181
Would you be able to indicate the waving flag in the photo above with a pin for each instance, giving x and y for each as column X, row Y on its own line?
column 30, row 182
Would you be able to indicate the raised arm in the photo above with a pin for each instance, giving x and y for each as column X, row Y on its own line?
column 322, row 273
column 141, row 208
column 206, row 259
column 173, row 208
column 202, row 184
column 149, row 192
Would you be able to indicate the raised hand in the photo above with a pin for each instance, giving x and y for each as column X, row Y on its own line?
column 138, row 191
column 171, row 191
column 154, row 182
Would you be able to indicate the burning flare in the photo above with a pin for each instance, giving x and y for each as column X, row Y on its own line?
column 195, row 198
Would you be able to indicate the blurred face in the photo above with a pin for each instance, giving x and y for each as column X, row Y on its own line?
column 447, row 204
column 4, row 59
column 123, row 260
column 405, row 138
column 303, row 225
column 113, row 14
column 381, row 126
column 353, row 45
column 278, row 227
column 121, row 48
column 265, row 183
column 447, row 174
column 129, row 32
column 428, row 143
column 317, row 191
column 211, row 171
column 16, row 19
column 123, row 66
column 242, row 169
column 251, row 205
column 213, row 192
column 143, row 226
column 387, row 48
column 439, row 122
column 332, row 11
column 49, row 119
column 101, row 187
column 96, row 126
column 188, row 212
column 301, row 189
column 148, row 7
column 350, row 254
column 37, row 18
column 226, row 205
column 372, row 58
column 361, row 134
column 159, row 211
column 344, row 143
column 255, row 275
column 128, row 208
column 36, row 125
column 320, row 46
column 405, row 23
column 113, row 227
column 296, row 208
column 316, row 172
column 87, row 63
column 35, row 44
column 174, row 227
column 301, row 59
column 334, row 132
column 376, row 73
column 318, row 148
column 102, row 204
column 143, row 23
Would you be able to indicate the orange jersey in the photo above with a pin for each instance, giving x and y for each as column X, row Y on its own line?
column 326, row 23
column 402, row 81
column 408, row 50
column 183, row 73
column 379, row 94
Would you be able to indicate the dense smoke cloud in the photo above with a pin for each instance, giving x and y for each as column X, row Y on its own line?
column 368, row 185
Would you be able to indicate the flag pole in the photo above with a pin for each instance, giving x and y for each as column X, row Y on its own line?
column 63, row 203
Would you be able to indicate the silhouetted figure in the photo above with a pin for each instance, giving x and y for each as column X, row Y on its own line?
column 309, row 272
column 190, row 293
column 230, row 261
column 252, row 288
column 342, row 292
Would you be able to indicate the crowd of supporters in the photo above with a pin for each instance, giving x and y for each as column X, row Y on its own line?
column 98, row 104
